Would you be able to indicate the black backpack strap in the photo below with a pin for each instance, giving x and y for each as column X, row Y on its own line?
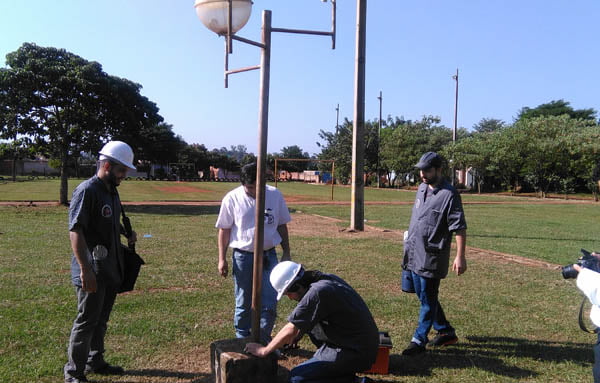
column 126, row 222
column 581, row 323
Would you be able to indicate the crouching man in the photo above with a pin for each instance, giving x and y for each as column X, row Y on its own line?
column 336, row 318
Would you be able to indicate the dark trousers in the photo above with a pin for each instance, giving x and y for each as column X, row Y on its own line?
column 329, row 365
column 86, row 344
column 431, row 313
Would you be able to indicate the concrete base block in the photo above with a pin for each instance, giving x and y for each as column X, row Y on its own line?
column 229, row 363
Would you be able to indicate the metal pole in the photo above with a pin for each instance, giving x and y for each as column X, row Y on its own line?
column 357, row 220
column 333, row 178
column 337, row 119
column 380, row 98
column 455, row 77
column 276, row 175
column 263, row 128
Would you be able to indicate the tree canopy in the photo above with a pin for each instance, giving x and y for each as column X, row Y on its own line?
column 62, row 105
column 556, row 108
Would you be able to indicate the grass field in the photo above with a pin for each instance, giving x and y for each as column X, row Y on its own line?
column 516, row 323
column 135, row 190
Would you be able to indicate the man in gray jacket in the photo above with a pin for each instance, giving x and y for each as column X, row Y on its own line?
column 436, row 214
column 97, row 261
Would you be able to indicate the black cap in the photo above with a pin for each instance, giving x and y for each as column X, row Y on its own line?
column 429, row 160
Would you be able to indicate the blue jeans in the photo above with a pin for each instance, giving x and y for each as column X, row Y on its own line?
column 431, row 313
column 86, row 344
column 329, row 365
column 243, row 264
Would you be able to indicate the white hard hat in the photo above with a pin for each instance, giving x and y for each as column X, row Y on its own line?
column 283, row 276
column 118, row 151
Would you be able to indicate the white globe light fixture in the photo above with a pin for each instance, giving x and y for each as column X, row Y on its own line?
column 214, row 14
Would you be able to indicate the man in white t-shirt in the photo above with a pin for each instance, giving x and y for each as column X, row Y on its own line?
column 588, row 281
column 236, row 230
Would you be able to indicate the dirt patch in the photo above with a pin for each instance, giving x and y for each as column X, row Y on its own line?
column 307, row 225
column 180, row 189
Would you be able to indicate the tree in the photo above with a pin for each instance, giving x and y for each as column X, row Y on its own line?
column 236, row 152
column 14, row 150
column 62, row 105
column 220, row 160
column 489, row 125
column 337, row 146
column 196, row 155
column 553, row 147
column 556, row 108
column 248, row 158
column 293, row 152
column 471, row 153
column 404, row 142
column 158, row 144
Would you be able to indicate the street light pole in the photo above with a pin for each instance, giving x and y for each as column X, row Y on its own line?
column 261, row 166
column 357, row 213
column 337, row 118
column 455, row 77
column 380, row 98
column 237, row 14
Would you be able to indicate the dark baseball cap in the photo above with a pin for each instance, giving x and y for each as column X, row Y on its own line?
column 429, row 160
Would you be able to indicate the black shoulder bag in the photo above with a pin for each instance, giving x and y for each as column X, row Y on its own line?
column 131, row 260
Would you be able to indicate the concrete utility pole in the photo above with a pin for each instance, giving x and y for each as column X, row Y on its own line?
column 455, row 77
column 357, row 214
column 337, row 118
column 380, row 98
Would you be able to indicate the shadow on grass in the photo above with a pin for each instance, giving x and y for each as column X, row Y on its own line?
column 490, row 354
column 172, row 209
column 160, row 373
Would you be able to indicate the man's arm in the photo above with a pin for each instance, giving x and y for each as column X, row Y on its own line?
column 285, row 242
column 460, row 262
column 223, row 243
column 80, row 249
column 286, row 335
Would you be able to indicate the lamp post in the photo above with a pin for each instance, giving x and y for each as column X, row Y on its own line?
column 337, row 118
column 380, row 98
column 455, row 77
column 226, row 17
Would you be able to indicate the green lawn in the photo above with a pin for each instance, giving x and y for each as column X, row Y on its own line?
column 549, row 232
column 516, row 323
column 135, row 190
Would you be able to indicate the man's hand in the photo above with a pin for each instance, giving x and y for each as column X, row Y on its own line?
column 255, row 349
column 88, row 280
column 460, row 265
column 132, row 238
column 223, row 268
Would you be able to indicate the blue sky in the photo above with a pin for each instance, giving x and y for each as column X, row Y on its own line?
column 510, row 54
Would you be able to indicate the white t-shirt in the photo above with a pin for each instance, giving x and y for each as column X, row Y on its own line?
column 588, row 281
column 237, row 214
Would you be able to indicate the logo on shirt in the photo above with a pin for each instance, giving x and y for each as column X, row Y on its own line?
column 269, row 218
column 106, row 211
column 418, row 203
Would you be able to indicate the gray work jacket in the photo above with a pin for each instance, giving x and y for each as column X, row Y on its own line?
column 434, row 219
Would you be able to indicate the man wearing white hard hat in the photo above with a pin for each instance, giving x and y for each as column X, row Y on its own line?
column 336, row 318
column 97, row 261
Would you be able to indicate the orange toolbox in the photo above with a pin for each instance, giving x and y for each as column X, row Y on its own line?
column 382, row 362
